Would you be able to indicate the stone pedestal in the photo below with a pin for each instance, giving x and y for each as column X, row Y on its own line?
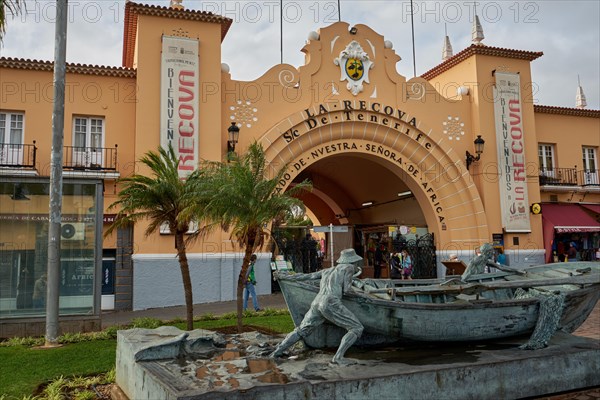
column 497, row 370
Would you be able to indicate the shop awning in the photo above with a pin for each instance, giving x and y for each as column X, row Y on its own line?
column 567, row 218
column 593, row 207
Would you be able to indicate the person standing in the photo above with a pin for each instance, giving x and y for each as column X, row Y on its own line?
column 572, row 252
column 249, row 289
column 395, row 266
column 39, row 292
column 407, row 266
column 501, row 257
column 379, row 260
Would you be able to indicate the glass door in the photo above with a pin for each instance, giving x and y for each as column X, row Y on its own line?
column 590, row 167
column 546, row 160
column 11, row 139
column 87, row 142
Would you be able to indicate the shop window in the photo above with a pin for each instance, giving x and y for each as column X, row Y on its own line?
column 11, row 137
column 546, row 159
column 24, row 226
column 88, row 142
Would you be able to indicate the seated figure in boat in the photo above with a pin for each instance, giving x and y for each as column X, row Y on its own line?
column 478, row 263
column 327, row 305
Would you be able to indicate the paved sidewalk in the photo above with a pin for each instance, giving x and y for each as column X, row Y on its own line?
column 591, row 327
column 111, row 318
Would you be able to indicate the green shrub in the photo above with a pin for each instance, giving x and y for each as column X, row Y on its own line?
column 76, row 387
column 73, row 337
column 146, row 322
column 229, row 315
column 177, row 320
column 85, row 395
column 110, row 376
column 269, row 312
column 55, row 389
column 206, row 317
column 111, row 331
column 23, row 341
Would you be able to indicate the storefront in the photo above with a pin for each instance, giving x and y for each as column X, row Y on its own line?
column 24, row 252
column 439, row 163
column 571, row 223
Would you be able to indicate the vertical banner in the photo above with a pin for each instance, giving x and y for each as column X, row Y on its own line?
column 179, row 92
column 511, row 153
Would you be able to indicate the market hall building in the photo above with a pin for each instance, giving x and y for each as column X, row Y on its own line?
column 457, row 157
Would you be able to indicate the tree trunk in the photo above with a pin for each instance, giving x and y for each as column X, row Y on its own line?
column 242, row 283
column 187, row 281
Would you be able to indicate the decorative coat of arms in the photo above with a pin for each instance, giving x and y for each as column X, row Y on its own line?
column 354, row 65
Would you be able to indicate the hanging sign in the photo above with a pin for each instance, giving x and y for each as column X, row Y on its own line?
column 514, row 205
column 179, row 100
column 333, row 228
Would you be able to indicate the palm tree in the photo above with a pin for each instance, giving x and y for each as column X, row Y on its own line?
column 11, row 6
column 245, row 201
column 159, row 199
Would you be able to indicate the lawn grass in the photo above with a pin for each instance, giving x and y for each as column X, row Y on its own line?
column 23, row 369
column 275, row 323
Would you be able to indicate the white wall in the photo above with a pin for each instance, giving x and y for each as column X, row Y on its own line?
column 157, row 278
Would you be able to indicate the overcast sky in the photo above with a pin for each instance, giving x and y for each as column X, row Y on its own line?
column 568, row 32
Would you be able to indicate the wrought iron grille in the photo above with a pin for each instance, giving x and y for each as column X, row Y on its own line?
column 17, row 155
column 422, row 252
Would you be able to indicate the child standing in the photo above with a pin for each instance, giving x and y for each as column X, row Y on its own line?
column 407, row 266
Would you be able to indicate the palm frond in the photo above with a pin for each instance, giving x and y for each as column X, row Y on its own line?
column 161, row 197
column 8, row 7
column 244, row 197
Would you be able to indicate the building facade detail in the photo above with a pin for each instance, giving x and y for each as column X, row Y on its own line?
column 385, row 154
column 354, row 66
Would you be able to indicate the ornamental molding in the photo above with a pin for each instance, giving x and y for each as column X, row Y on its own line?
column 354, row 66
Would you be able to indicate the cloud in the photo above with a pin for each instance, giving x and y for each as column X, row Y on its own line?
column 567, row 32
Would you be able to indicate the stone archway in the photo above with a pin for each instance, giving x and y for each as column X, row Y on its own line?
column 450, row 202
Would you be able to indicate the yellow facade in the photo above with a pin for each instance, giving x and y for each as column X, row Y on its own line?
column 393, row 136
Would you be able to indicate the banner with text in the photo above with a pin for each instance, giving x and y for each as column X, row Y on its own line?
column 179, row 100
column 511, row 153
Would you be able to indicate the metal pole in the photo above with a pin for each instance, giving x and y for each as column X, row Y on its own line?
column 56, row 176
column 339, row 12
column 412, row 27
column 331, row 242
column 281, row 30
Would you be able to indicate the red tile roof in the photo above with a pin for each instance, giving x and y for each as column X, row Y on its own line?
column 132, row 10
column 480, row 50
column 575, row 112
column 72, row 68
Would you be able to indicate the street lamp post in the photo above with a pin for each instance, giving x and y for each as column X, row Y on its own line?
column 233, row 134
column 479, row 142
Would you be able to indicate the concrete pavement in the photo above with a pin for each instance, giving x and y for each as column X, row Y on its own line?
column 112, row 318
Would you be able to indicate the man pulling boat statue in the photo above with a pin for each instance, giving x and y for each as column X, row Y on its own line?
column 327, row 305
column 477, row 265
column 483, row 258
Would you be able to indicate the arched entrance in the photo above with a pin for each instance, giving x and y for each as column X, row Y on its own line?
column 355, row 156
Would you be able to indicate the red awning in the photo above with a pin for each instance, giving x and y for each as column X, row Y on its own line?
column 593, row 207
column 569, row 218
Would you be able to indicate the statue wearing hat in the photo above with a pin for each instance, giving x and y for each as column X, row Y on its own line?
column 327, row 305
